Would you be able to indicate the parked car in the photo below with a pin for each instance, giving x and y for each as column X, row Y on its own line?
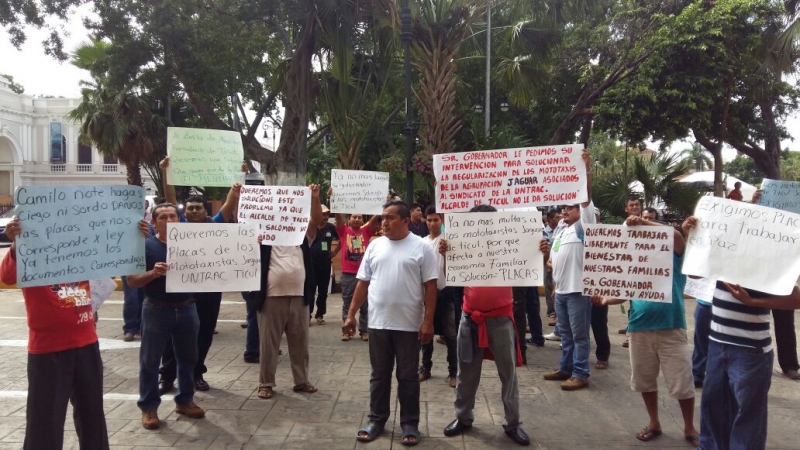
column 4, row 219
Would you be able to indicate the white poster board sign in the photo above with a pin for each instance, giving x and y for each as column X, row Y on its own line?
column 213, row 257
column 700, row 288
column 494, row 249
column 358, row 191
column 750, row 245
column 511, row 178
column 100, row 290
column 282, row 213
column 628, row 262
column 783, row 195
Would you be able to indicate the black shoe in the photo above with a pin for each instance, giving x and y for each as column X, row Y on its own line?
column 255, row 360
column 519, row 436
column 455, row 428
column 530, row 341
column 623, row 330
column 165, row 387
column 791, row 374
column 200, row 384
column 698, row 384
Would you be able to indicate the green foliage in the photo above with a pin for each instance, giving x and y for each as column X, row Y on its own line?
column 744, row 169
column 15, row 88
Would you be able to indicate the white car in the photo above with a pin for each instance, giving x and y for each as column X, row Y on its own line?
column 4, row 219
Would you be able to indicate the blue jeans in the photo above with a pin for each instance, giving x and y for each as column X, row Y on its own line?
column 702, row 328
column 158, row 326
column 131, row 308
column 251, row 343
column 532, row 304
column 574, row 315
column 733, row 411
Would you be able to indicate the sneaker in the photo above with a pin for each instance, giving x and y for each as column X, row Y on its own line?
column 190, row 410
column 128, row 337
column 345, row 337
column 451, row 381
column 424, row 375
column 556, row 375
column 150, row 420
column 552, row 337
column 573, row 384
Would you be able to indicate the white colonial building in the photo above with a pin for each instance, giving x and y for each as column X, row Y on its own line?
column 39, row 146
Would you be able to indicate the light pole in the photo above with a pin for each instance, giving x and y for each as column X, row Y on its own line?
column 487, row 118
column 274, row 125
column 410, row 127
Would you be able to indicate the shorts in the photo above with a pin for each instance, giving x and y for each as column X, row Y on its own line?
column 666, row 351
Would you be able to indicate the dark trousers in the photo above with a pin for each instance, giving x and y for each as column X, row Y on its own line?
column 74, row 376
column 785, row 339
column 252, row 342
column 520, row 321
column 532, row 305
column 600, row 332
column 702, row 329
column 386, row 347
column 549, row 298
column 208, row 304
column 322, row 273
column 445, row 317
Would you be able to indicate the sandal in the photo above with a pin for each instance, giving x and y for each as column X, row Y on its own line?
column 410, row 436
column 371, row 431
column 648, row 434
column 306, row 388
column 265, row 392
column 320, row 321
column 693, row 439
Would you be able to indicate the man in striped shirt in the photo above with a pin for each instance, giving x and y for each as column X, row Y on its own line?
column 733, row 410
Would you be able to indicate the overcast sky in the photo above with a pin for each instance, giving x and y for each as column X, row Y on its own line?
column 40, row 74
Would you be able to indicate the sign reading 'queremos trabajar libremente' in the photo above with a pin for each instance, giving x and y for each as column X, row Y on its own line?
column 281, row 212
column 494, row 249
column 511, row 178
column 731, row 237
column 213, row 257
column 73, row 233
column 628, row 262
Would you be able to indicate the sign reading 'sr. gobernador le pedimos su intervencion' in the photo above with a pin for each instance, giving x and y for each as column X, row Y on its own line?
column 282, row 213
column 628, row 262
column 76, row 233
column 510, row 178
column 203, row 157
column 750, row 245
column 494, row 249
column 213, row 257
column 358, row 191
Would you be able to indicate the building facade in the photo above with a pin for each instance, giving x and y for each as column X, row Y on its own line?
column 39, row 146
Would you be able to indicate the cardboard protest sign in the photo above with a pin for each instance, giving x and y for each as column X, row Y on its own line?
column 100, row 290
column 494, row 249
column 72, row 233
column 203, row 157
column 732, row 236
column 213, row 257
column 700, row 288
column 783, row 195
column 512, row 178
column 282, row 213
column 628, row 262
column 358, row 191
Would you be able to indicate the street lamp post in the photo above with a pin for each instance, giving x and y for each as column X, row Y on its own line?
column 410, row 127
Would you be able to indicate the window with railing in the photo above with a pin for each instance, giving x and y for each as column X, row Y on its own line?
column 58, row 168
column 84, row 168
column 110, row 168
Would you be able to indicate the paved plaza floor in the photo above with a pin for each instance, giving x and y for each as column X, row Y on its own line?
column 604, row 416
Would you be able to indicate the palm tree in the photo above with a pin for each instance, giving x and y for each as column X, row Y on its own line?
column 697, row 157
column 659, row 178
column 118, row 122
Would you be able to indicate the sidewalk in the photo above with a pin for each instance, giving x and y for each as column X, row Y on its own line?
column 605, row 416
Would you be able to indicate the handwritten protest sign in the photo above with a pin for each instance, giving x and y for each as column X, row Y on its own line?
column 494, row 249
column 628, row 262
column 701, row 288
column 731, row 236
column 202, row 157
column 281, row 212
column 783, row 195
column 536, row 176
column 71, row 233
column 213, row 257
column 100, row 290
column 358, row 191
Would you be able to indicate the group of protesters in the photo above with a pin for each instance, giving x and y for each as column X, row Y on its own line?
column 393, row 277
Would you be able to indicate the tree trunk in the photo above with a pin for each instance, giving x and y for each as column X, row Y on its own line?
column 771, row 165
column 134, row 175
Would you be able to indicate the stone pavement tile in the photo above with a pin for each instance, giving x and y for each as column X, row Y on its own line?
column 344, row 383
column 230, row 442
column 195, row 442
column 300, row 410
column 144, row 439
column 264, row 443
column 440, row 443
column 781, row 421
column 129, row 410
column 9, row 406
column 219, row 399
column 330, row 367
column 322, row 431
column 345, row 416
column 170, row 424
column 228, row 422
column 275, row 428
column 314, row 444
column 555, row 444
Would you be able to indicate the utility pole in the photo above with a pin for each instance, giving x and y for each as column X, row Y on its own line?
column 409, row 129
column 487, row 119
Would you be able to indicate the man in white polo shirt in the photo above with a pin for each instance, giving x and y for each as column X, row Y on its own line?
column 398, row 272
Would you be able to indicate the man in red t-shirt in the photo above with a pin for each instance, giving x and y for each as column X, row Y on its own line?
column 354, row 237
column 64, row 362
column 736, row 192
